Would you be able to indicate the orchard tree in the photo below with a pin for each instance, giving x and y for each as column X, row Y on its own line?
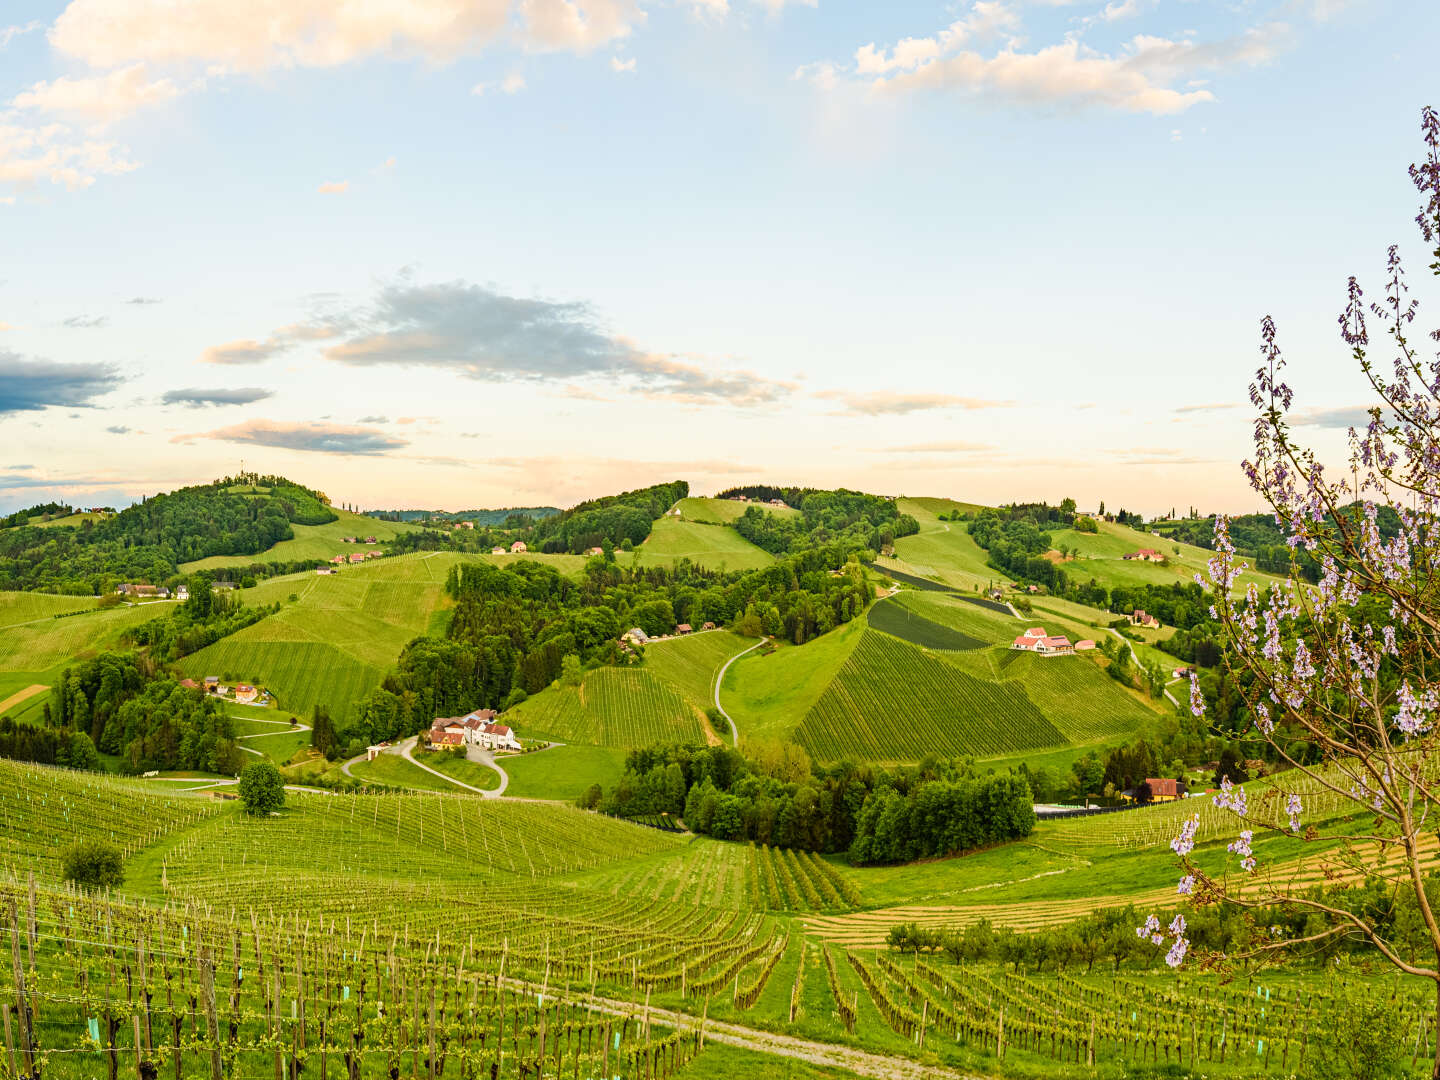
column 1341, row 678
column 93, row 864
column 262, row 788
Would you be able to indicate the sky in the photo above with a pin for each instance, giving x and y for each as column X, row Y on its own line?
column 477, row 253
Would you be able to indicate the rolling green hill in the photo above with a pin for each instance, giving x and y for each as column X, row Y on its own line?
column 713, row 546
column 313, row 542
column 941, row 549
column 1101, row 556
column 724, row 511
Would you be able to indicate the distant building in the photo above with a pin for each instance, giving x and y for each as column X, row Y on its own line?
column 467, row 524
column 595, row 551
column 682, row 628
column 517, row 547
column 1084, row 646
column 635, row 636
column 497, row 551
column 708, row 626
column 212, row 683
column 324, row 570
column 499, row 737
column 162, row 593
column 338, row 560
column 245, row 693
column 1037, row 641
column 1145, row 555
column 182, row 592
column 1163, row 790
column 372, row 752
column 1139, row 618
column 444, row 740
column 780, row 503
column 371, row 540
column 358, row 557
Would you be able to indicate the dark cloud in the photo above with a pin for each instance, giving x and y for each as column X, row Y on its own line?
column 319, row 438
column 118, row 429
column 85, row 322
column 26, row 385
column 1356, row 416
column 373, row 420
column 243, row 395
column 141, row 300
column 482, row 334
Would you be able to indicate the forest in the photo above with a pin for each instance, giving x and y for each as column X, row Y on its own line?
column 148, row 541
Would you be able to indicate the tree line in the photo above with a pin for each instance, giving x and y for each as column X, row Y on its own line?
column 774, row 794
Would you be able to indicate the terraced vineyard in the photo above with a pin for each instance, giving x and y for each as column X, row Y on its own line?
column 301, row 674
column 892, row 701
column 41, row 645
column 612, row 707
column 689, row 664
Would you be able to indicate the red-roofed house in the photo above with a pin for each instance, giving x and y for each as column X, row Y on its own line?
column 682, row 628
column 1140, row 618
column 1162, row 790
column 444, row 740
column 1037, row 641
column 1145, row 555
column 357, row 558
column 245, row 693
column 517, row 547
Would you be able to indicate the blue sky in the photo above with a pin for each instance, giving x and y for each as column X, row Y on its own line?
column 456, row 253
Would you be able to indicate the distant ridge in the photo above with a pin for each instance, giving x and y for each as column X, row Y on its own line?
column 480, row 517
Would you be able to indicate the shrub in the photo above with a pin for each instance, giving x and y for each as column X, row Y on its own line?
column 262, row 788
column 93, row 864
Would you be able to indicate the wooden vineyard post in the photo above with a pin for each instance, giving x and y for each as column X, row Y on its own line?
column 212, row 1020
column 924, row 1012
column 22, row 1005
column 1090, row 1046
column 1000, row 1035
column 9, row 1041
column 139, row 1072
column 31, row 939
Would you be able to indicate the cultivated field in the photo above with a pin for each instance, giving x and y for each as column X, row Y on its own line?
column 611, row 707
column 713, row 546
column 314, row 542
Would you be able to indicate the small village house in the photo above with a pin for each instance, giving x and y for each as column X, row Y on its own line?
column 212, row 684
column 595, row 551
column 499, row 737
column 517, row 547
column 1145, row 555
column 358, row 557
column 497, row 551
column 1139, row 618
column 1163, row 790
column 440, row 739
column 708, row 626
column 245, row 693
column 182, row 592
column 372, row 752
column 682, row 628
column 1042, row 644
column 636, row 636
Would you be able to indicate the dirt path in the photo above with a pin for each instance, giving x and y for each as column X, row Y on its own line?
column 720, row 678
column 825, row 1055
column 405, row 750
column 285, row 725
column 22, row 695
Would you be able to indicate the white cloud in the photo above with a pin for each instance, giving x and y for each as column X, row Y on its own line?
column 334, row 187
column 98, row 99
column 774, row 7
column 987, row 19
column 513, row 83
column 617, row 65
column 823, row 74
column 10, row 33
column 715, row 9
column 53, row 152
column 569, row 26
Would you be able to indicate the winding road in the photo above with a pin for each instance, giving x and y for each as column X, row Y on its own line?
column 286, row 725
column 720, row 678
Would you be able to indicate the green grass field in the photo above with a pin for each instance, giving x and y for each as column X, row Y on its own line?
column 712, row 546
column 724, row 511
column 903, row 621
column 768, row 696
column 689, row 664
column 394, row 770
column 1101, row 556
column 458, row 767
column 563, row 772
column 41, row 643
column 941, row 549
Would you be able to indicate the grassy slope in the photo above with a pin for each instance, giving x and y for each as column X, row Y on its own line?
column 394, row 770
column 1101, row 557
column 461, row 768
column 768, row 696
column 40, row 646
column 313, row 542
column 941, row 549
column 619, row 707
column 723, row 511
column 690, row 663
column 712, row 546
column 563, row 772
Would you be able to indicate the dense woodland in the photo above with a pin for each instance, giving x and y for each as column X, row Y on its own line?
column 146, row 542
column 871, row 521
column 145, row 717
column 773, row 794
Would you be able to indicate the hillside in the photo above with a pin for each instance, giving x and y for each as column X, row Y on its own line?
column 712, row 546
column 312, row 542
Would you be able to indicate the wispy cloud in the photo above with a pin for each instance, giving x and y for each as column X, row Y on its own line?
column 622, row 66
column 98, row 99
column 1208, row 407
column 312, row 437
column 245, row 395
column 374, row 420
column 1348, row 416
column 936, row 448
column 244, row 352
column 118, row 429
column 10, row 33
column 141, row 301
column 900, row 403
column 29, row 385
column 85, row 322
column 334, row 187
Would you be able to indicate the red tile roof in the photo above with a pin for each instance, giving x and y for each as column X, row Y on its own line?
column 1164, row 787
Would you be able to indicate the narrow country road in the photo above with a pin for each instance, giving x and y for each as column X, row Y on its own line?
column 720, row 678
column 285, row 725
column 825, row 1055
column 481, row 756
column 405, row 750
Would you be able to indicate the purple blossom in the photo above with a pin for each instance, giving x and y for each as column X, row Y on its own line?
column 1197, row 699
column 1176, row 956
column 1230, row 797
column 1151, row 927
column 1241, row 847
column 1294, row 808
column 1187, row 885
column 1183, row 844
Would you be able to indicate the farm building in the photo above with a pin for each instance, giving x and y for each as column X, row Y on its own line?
column 371, row 540
column 595, row 551
column 212, row 683
column 497, row 551
column 1145, row 555
column 1139, row 618
column 635, row 636
column 467, row 525
column 517, row 547
column 1162, row 790
column 245, row 693
column 375, row 554
column 182, row 592
column 683, row 628
column 498, row 737
column 163, row 593
column 136, row 591
column 372, row 752
column 1084, row 646
column 1037, row 641
column 779, row 503
column 358, row 557
column 708, row 626
column 444, row 740
column 324, row 570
